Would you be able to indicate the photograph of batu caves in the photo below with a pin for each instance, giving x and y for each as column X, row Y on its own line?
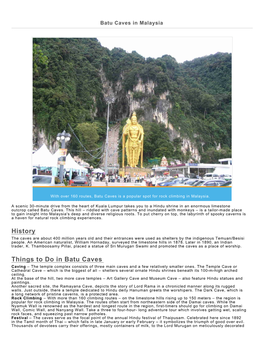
column 132, row 112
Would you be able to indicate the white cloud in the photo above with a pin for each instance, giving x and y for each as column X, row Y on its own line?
column 181, row 48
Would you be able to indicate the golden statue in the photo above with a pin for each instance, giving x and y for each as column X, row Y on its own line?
column 134, row 143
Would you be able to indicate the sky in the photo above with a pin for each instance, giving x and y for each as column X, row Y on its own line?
column 181, row 48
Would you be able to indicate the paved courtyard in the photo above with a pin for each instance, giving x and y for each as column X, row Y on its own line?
column 96, row 183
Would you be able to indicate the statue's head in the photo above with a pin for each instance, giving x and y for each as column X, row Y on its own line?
column 134, row 118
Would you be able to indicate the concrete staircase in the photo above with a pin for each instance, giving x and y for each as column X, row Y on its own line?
column 113, row 141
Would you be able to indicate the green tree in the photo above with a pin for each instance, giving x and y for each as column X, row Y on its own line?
column 207, row 103
column 88, row 135
column 177, row 143
column 212, row 155
column 156, row 141
column 39, row 60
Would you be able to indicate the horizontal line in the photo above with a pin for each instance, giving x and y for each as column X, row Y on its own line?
column 132, row 28
column 86, row 187
column 127, row 186
column 57, row 262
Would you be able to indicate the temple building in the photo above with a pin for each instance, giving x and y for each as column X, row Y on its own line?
column 164, row 162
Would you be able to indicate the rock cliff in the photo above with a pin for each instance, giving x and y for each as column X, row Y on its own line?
column 141, row 100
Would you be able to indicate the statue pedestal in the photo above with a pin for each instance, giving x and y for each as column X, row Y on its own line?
column 135, row 171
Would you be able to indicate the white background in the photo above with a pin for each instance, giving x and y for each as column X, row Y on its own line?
column 225, row 20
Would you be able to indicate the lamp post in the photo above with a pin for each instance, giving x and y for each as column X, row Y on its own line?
column 63, row 137
column 109, row 101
